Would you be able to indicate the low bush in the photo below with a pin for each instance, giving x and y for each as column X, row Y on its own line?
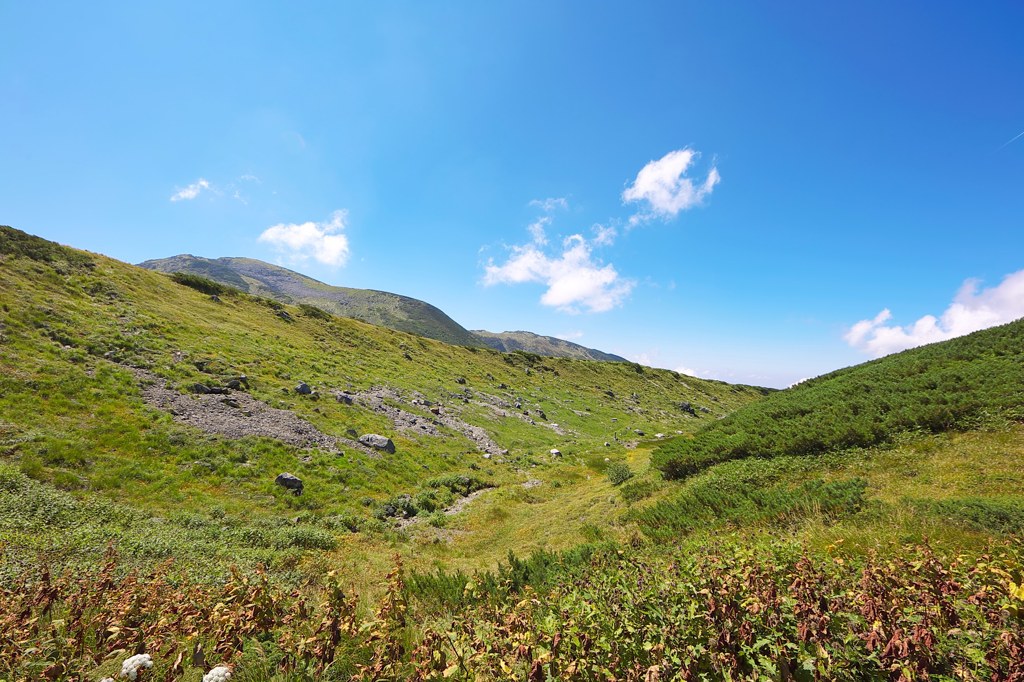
column 201, row 284
column 618, row 473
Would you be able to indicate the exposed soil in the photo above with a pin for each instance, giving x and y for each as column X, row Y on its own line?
column 381, row 399
column 455, row 508
column 237, row 414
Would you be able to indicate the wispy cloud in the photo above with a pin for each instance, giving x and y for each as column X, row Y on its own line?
column 604, row 235
column 688, row 371
column 973, row 308
column 663, row 188
column 537, row 230
column 549, row 205
column 324, row 242
column 192, row 191
column 574, row 279
column 1012, row 140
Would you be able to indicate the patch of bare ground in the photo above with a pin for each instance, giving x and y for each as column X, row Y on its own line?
column 237, row 414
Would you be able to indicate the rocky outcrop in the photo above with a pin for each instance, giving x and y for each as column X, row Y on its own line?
column 290, row 482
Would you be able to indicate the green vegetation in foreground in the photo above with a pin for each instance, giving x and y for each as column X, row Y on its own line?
column 956, row 385
column 898, row 559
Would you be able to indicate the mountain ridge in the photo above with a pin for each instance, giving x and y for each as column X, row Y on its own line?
column 382, row 308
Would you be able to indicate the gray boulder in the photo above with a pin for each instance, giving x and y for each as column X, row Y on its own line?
column 303, row 388
column 378, row 442
column 290, row 482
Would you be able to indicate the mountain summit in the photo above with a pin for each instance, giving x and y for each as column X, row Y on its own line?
column 381, row 308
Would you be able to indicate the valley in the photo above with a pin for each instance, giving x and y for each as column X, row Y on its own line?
column 466, row 513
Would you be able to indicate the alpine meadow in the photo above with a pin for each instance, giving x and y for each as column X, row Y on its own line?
column 529, row 341
column 525, row 517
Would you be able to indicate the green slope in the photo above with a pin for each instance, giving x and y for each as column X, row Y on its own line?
column 894, row 554
column 78, row 329
column 375, row 307
column 954, row 385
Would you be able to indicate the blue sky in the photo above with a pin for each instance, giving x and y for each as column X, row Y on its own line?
column 740, row 190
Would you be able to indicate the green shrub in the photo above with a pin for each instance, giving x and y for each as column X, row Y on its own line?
column 954, row 385
column 714, row 503
column 637, row 490
column 618, row 473
column 990, row 515
column 314, row 312
column 201, row 284
column 17, row 243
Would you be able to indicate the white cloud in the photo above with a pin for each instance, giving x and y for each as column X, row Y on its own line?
column 320, row 241
column 663, row 186
column 549, row 205
column 192, row 191
column 973, row 308
column 687, row 371
column 536, row 230
column 604, row 236
column 573, row 278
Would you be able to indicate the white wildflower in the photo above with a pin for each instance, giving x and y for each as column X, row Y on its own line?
column 107, row 679
column 130, row 668
column 219, row 674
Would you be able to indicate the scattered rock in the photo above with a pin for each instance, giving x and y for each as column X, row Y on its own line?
column 556, row 452
column 487, row 455
column 638, row 432
column 303, row 388
column 460, row 380
column 352, row 433
column 201, row 389
column 219, row 390
column 378, row 442
column 289, row 482
column 283, row 314
column 659, row 435
column 532, row 483
column 231, row 402
column 215, row 298
column 607, row 444
column 687, row 408
column 705, row 410
column 238, row 383
column 211, row 414
column 343, row 398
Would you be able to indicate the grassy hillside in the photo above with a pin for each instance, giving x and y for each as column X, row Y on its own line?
column 85, row 338
column 954, row 385
column 374, row 307
column 474, row 552
column 542, row 345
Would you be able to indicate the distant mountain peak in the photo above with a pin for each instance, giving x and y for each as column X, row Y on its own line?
column 381, row 308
